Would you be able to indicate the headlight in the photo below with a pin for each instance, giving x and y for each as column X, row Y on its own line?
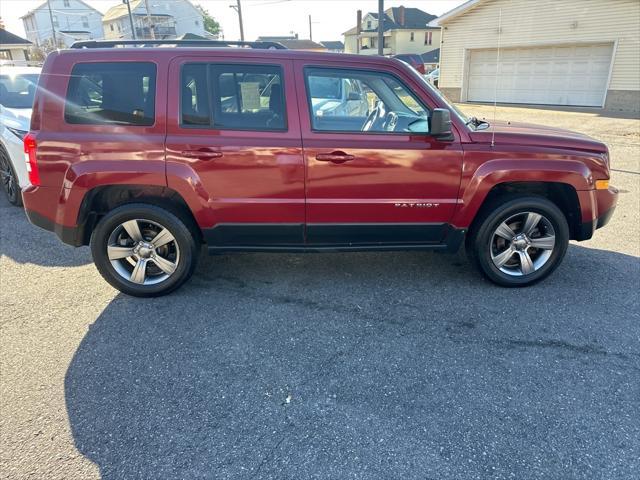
column 18, row 133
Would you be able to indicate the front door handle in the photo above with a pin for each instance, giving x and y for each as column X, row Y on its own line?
column 335, row 157
column 202, row 154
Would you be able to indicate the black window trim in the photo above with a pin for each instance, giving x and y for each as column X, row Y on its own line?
column 212, row 125
column 361, row 70
column 120, row 125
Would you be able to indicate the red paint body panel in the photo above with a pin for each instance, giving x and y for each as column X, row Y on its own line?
column 260, row 176
column 274, row 177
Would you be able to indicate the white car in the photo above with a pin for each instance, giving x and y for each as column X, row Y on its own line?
column 432, row 77
column 17, row 89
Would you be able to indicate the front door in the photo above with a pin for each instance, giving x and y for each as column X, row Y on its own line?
column 233, row 133
column 374, row 175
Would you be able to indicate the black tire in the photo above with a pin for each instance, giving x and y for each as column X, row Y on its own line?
column 9, row 180
column 184, row 241
column 481, row 238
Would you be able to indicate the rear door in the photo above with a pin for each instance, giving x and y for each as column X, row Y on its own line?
column 373, row 182
column 233, row 131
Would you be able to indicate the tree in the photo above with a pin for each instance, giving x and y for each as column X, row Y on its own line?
column 211, row 25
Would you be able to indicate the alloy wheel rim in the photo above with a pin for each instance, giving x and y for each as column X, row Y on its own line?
column 143, row 252
column 7, row 177
column 522, row 244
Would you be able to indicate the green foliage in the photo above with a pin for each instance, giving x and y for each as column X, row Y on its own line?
column 211, row 25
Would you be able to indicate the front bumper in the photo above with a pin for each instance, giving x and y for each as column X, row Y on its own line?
column 605, row 203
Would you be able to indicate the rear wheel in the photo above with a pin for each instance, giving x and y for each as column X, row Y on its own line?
column 520, row 241
column 9, row 180
column 143, row 250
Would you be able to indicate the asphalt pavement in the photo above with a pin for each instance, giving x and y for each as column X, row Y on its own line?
column 329, row 366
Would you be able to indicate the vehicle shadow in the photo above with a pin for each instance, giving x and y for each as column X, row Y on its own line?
column 25, row 243
column 403, row 365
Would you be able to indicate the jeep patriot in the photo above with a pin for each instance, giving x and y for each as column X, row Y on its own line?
column 146, row 153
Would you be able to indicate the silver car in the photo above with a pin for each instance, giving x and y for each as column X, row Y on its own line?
column 17, row 89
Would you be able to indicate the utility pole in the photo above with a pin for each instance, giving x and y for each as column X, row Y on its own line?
column 133, row 28
column 380, row 27
column 53, row 28
column 310, row 30
column 151, row 29
column 238, row 9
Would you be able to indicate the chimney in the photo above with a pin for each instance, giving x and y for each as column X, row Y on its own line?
column 401, row 15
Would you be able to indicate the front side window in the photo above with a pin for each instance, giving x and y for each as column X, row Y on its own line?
column 243, row 97
column 363, row 101
column 96, row 95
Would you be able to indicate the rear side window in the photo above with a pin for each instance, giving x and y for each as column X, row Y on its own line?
column 233, row 97
column 111, row 94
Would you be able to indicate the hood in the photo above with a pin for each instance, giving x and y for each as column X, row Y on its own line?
column 514, row 133
column 18, row 118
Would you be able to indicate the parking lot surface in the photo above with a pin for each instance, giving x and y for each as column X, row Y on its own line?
column 352, row 365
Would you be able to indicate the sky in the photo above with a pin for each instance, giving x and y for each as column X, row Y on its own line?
column 330, row 18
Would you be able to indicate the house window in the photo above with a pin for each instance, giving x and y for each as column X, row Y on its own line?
column 373, row 42
column 412, row 36
column 111, row 26
column 368, row 24
column 428, row 38
column 85, row 21
column 197, row 23
column 55, row 21
column 66, row 3
column 386, row 41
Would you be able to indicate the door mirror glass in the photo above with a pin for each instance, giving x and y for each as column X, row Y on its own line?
column 354, row 96
column 441, row 123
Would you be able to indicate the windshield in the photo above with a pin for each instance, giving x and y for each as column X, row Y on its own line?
column 442, row 97
column 17, row 91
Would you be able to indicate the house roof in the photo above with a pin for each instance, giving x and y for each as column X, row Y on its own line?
column 414, row 19
column 431, row 57
column 298, row 44
column 455, row 12
column 8, row 38
column 89, row 7
column 333, row 45
column 120, row 10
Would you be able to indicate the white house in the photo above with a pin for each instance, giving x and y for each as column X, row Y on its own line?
column 71, row 19
column 169, row 19
column 13, row 47
column 405, row 31
column 573, row 52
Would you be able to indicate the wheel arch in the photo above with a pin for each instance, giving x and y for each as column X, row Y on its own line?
column 104, row 198
column 563, row 195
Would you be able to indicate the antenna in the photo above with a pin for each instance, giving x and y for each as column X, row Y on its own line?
column 495, row 91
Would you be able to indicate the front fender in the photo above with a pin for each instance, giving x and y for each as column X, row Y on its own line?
column 505, row 170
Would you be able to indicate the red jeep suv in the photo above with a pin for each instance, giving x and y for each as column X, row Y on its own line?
column 144, row 153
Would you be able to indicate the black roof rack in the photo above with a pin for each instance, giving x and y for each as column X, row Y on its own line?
column 177, row 42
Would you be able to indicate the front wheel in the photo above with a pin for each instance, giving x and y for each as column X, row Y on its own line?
column 9, row 180
column 143, row 250
column 520, row 241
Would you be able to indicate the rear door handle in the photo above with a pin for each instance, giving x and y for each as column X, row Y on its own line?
column 203, row 154
column 335, row 157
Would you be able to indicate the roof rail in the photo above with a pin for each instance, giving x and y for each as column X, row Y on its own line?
column 177, row 42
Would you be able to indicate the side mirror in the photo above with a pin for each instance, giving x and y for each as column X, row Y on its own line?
column 441, row 124
column 354, row 96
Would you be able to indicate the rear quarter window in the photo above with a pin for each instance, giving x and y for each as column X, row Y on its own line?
column 110, row 93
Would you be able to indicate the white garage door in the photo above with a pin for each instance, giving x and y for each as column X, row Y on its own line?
column 553, row 75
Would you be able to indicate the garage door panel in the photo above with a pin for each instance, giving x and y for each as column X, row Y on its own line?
column 554, row 75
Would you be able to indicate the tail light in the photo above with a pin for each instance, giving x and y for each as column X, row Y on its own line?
column 30, row 148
